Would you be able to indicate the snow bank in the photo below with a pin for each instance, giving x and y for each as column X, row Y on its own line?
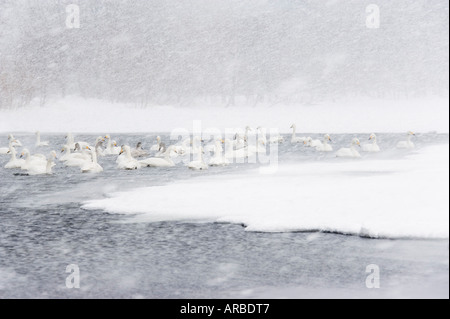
column 95, row 116
column 377, row 198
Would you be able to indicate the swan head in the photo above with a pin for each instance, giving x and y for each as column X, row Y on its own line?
column 411, row 133
column 327, row 137
column 25, row 152
column 356, row 141
column 12, row 151
column 158, row 139
column 293, row 126
column 139, row 145
column 107, row 137
column 52, row 155
column 77, row 147
column 10, row 137
column 372, row 137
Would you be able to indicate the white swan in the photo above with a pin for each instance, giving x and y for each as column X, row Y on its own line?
column 111, row 147
column 75, row 159
column 160, row 162
column 350, row 152
column 218, row 159
column 42, row 168
column 14, row 162
column 91, row 166
column 312, row 143
column 294, row 138
column 156, row 146
column 5, row 150
column 126, row 160
column 408, row 144
column 371, row 147
column 139, row 151
column 38, row 140
column 324, row 146
column 199, row 164
column 70, row 142
column 37, row 159
column 232, row 154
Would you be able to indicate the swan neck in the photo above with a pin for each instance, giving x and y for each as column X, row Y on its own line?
column 94, row 157
column 49, row 166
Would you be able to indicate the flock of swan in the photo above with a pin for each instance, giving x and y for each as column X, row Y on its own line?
column 85, row 156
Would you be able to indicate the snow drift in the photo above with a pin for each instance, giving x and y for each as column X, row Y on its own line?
column 377, row 198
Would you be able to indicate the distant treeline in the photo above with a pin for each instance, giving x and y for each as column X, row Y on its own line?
column 177, row 51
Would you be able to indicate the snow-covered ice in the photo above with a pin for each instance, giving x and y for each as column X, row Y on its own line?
column 393, row 198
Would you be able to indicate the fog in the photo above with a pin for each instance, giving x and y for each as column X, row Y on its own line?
column 222, row 52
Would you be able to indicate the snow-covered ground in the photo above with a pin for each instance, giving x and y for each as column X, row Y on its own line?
column 393, row 198
column 96, row 116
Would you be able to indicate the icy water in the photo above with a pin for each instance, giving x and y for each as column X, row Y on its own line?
column 43, row 229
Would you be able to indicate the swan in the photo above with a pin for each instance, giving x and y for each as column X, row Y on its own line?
column 312, row 143
column 70, row 142
column 126, row 160
column 42, row 168
column 111, row 147
column 5, row 150
column 14, row 162
column 241, row 141
column 38, row 140
column 218, row 159
column 92, row 165
column 350, row 152
column 160, row 162
column 198, row 165
column 408, row 144
column 77, row 159
column 37, row 159
column 294, row 138
column 231, row 153
column 99, row 146
column 68, row 155
column 324, row 146
column 371, row 147
column 156, row 147
column 139, row 151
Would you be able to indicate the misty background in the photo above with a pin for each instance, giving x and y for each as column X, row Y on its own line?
column 222, row 52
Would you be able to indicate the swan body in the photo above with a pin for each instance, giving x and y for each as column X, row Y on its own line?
column 371, row 147
column 139, row 151
column 294, row 138
column 126, row 161
column 42, row 168
column 198, row 165
column 408, row 144
column 32, row 160
column 11, row 144
column 14, row 162
column 218, row 159
column 231, row 153
column 160, row 162
column 38, row 140
column 350, row 152
column 324, row 146
column 91, row 166
column 156, row 147
column 111, row 147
